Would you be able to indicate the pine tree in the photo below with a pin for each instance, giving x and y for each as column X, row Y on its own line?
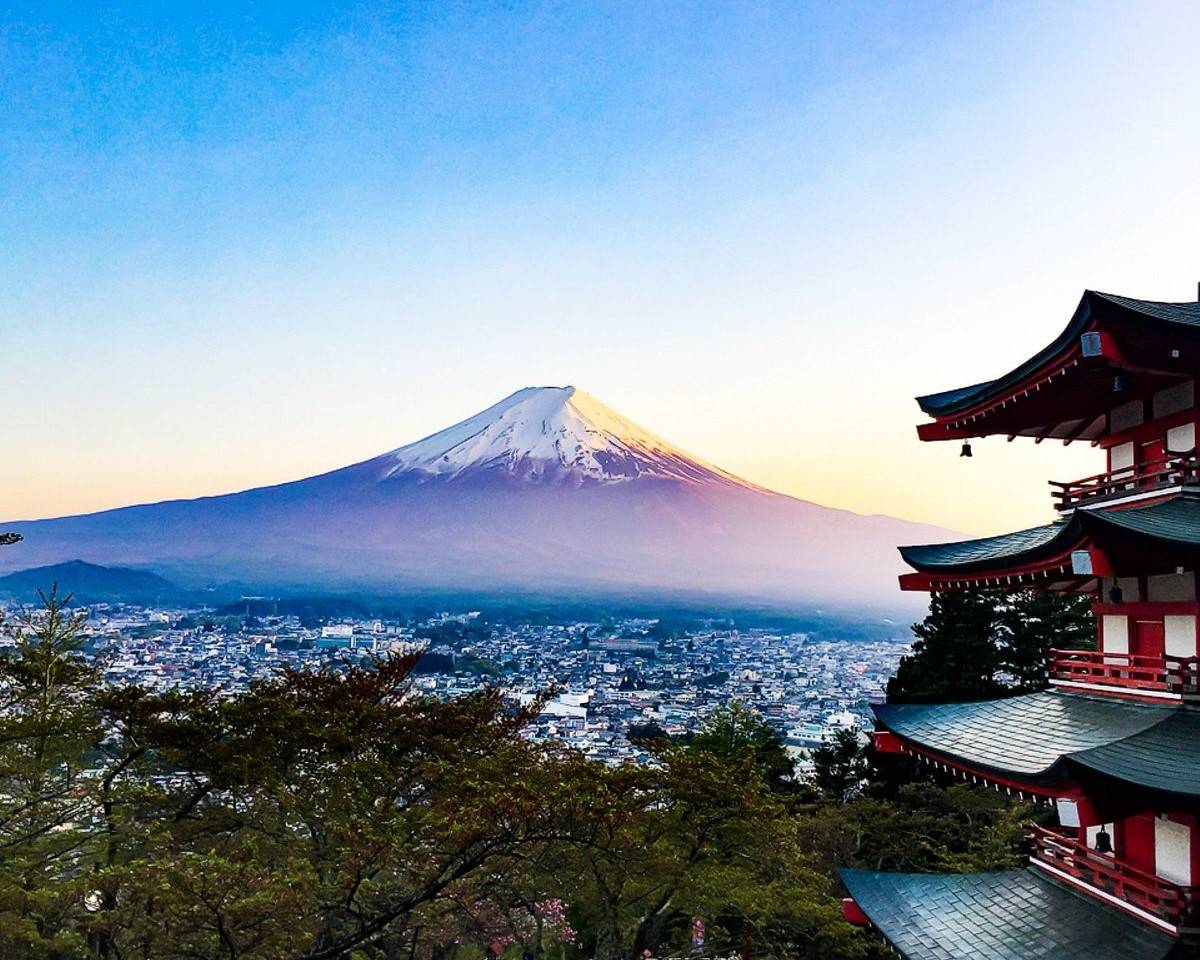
column 46, row 732
column 956, row 655
column 981, row 644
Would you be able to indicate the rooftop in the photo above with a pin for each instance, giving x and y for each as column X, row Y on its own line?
column 1007, row 915
column 1169, row 529
column 1058, row 391
column 1045, row 739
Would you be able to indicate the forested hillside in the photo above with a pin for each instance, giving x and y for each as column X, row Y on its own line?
column 340, row 815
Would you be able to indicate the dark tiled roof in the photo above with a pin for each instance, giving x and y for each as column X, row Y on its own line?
column 967, row 555
column 1009, row 915
column 1162, row 757
column 1091, row 304
column 1186, row 313
column 1170, row 522
column 1174, row 521
column 1024, row 736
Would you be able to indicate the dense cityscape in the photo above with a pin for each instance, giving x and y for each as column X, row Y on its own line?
column 607, row 679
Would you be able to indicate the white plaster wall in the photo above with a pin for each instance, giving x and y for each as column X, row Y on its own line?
column 1182, row 439
column 1114, row 633
column 1172, row 850
column 1120, row 456
column 1181, row 635
column 1131, row 589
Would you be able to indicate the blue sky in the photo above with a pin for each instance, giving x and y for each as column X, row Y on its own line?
column 244, row 243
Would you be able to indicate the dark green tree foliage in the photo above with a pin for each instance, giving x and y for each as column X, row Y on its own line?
column 1035, row 622
column 44, row 791
column 840, row 766
column 981, row 644
column 343, row 816
column 735, row 730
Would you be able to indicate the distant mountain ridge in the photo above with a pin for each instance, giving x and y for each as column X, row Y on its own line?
column 89, row 583
column 548, row 490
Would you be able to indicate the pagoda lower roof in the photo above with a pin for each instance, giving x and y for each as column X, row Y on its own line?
column 1028, row 739
column 1142, row 337
column 1172, row 523
column 1003, row 915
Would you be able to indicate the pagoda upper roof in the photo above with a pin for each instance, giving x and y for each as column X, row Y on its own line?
column 1155, row 341
column 1002, row 915
column 1169, row 529
column 1028, row 738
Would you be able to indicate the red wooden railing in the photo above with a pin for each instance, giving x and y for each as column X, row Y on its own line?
column 1180, row 675
column 1172, row 471
column 1172, row 902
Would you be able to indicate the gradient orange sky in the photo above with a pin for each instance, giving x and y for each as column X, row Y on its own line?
column 240, row 252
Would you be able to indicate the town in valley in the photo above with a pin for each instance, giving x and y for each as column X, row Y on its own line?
column 612, row 683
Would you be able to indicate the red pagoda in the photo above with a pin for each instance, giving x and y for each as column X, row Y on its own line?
column 1113, row 744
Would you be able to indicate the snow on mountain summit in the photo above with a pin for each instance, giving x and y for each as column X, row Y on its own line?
column 552, row 433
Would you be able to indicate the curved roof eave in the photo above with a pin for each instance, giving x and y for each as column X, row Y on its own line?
column 1093, row 307
column 1025, row 738
column 1153, row 758
column 1011, row 549
column 962, row 398
column 1173, row 523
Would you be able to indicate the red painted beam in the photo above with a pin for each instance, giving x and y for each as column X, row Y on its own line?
column 884, row 741
column 852, row 913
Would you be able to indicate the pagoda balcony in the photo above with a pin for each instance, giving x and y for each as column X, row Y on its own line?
column 1170, row 473
column 1126, row 673
column 1154, row 898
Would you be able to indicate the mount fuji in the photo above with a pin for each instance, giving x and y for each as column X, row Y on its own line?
column 548, row 491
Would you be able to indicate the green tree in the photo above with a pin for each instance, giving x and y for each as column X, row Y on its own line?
column 318, row 814
column 840, row 766
column 704, row 831
column 1035, row 622
column 735, row 729
column 45, row 736
column 956, row 652
column 982, row 644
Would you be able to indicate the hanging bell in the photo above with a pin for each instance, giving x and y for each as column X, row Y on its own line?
column 1116, row 595
column 966, row 449
column 1103, row 841
column 1118, row 384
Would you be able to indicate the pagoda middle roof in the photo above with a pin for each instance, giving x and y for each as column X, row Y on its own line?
column 1046, row 738
column 1094, row 308
column 1164, row 757
column 1174, row 522
column 1026, row 737
column 1001, row 915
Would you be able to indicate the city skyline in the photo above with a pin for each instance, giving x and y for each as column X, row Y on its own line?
column 255, row 246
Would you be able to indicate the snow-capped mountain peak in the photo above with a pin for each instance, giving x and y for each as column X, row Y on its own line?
column 551, row 433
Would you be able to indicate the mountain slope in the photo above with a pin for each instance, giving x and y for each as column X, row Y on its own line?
column 546, row 491
column 89, row 583
column 552, row 433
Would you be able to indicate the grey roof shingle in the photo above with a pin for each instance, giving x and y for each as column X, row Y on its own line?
column 1025, row 736
column 965, row 555
column 1174, row 522
column 1165, row 756
column 1007, row 915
